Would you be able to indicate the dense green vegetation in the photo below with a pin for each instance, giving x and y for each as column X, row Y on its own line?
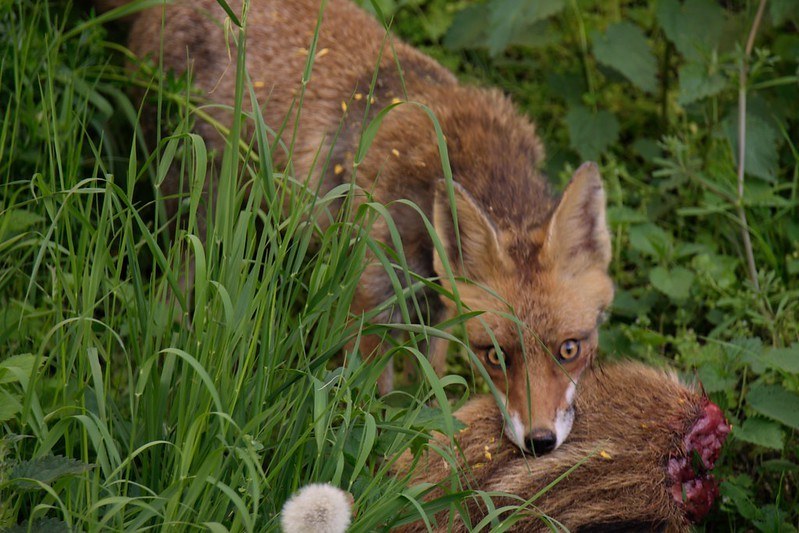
column 117, row 412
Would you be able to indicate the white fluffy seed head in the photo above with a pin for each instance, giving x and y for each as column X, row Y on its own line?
column 318, row 507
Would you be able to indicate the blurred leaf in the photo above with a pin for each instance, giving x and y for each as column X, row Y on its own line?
column 46, row 470
column 762, row 141
column 468, row 29
column 715, row 378
column 43, row 525
column 675, row 283
column 619, row 214
column 761, row 432
column 9, row 406
column 650, row 239
column 15, row 366
column 784, row 359
column 507, row 15
column 776, row 403
column 591, row 133
column 624, row 47
column 783, row 11
column 695, row 27
column 739, row 492
column 698, row 81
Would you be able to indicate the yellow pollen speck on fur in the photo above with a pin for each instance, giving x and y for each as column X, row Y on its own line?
column 344, row 106
column 681, row 400
column 395, row 152
column 259, row 84
column 371, row 99
column 644, row 426
column 358, row 96
column 487, row 454
column 478, row 466
column 493, row 439
column 395, row 100
column 604, row 454
column 322, row 53
column 302, row 51
column 338, row 169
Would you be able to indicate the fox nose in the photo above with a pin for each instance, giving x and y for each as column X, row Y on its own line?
column 540, row 441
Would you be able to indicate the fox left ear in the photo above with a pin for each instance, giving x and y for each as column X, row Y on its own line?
column 577, row 237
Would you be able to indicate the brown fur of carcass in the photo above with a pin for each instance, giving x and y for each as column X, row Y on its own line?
column 631, row 421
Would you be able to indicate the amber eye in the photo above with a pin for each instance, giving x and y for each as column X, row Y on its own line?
column 492, row 358
column 569, row 350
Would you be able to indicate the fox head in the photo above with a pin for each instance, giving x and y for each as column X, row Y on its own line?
column 543, row 290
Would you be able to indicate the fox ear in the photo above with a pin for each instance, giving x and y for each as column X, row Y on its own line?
column 577, row 237
column 480, row 251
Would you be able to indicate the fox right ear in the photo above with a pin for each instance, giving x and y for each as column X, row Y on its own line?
column 577, row 237
column 480, row 252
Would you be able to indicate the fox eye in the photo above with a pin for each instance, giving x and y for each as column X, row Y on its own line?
column 492, row 358
column 569, row 350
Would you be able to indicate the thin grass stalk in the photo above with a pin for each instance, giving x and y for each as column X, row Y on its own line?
column 742, row 80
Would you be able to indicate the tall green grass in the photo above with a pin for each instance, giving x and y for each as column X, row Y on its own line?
column 133, row 400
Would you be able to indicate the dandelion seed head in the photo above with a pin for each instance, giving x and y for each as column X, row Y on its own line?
column 318, row 507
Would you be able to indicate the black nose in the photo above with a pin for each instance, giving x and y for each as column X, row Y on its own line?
column 540, row 441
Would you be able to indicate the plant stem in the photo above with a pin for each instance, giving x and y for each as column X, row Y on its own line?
column 750, row 256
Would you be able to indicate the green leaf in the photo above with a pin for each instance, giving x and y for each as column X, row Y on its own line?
column 16, row 220
column 715, row 378
column 468, row 29
column 784, row 10
column 15, row 367
column 624, row 47
column 9, row 406
column 784, row 359
column 695, row 27
column 651, row 240
column 591, row 133
column 761, row 432
column 675, row 283
column 739, row 492
column 698, row 81
column 508, row 15
column 43, row 525
column 761, row 155
column 776, row 403
column 46, row 470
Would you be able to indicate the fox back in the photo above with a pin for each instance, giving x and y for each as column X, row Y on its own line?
column 535, row 263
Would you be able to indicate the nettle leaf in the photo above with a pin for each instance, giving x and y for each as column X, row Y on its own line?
column 761, row 154
column 695, row 27
column 761, row 432
column 468, row 29
column 784, row 359
column 16, row 367
column 624, row 47
column 774, row 402
column 715, row 378
column 508, row 15
column 783, row 11
column 42, row 525
column 698, row 81
column 674, row 283
column 591, row 133
column 9, row 406
column 651, row 239
column 45, row 470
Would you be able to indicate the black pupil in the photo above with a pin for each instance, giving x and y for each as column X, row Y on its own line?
column 569, row 348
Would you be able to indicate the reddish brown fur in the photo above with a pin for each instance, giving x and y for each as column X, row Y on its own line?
column 632, row 420
column 546, row 260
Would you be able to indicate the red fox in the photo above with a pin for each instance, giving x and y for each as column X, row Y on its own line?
column 524, row 251
column 645, row 445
